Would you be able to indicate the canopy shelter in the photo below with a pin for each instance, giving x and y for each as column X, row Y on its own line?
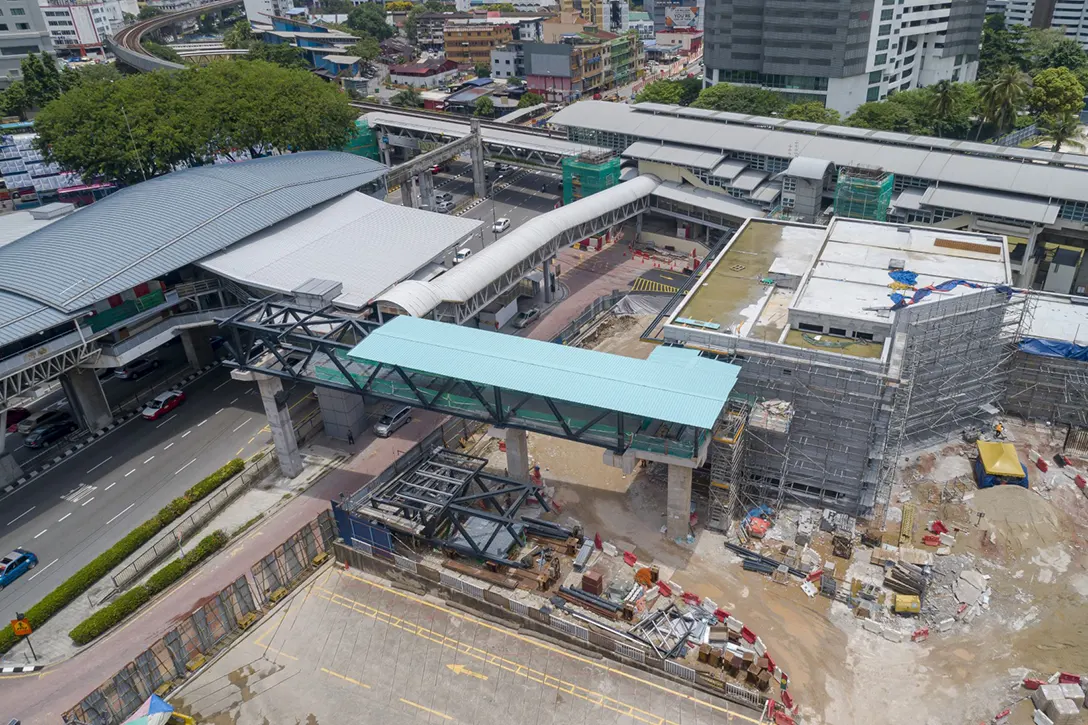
column 998, row 464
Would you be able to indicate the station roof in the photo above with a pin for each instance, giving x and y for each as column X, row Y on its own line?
column 678, row 387
column 158, row 226
column 357, row 240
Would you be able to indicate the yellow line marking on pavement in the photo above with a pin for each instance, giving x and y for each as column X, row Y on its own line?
column 240, row 451
column 426, row 709
column 541, row 645
column 345, row 678
column 462, row 670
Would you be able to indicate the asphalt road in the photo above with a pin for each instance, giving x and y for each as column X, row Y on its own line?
column 85, row 504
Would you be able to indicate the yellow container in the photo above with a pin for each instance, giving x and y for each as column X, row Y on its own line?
column 907, row 604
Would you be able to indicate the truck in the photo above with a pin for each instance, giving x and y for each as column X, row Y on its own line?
column 495, row 315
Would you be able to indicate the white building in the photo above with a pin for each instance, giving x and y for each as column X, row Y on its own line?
column 1069, row 16
column 22, row 31
column 260, row 11
column 83, row 27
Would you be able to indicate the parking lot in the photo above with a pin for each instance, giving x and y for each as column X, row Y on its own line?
column 350, row 648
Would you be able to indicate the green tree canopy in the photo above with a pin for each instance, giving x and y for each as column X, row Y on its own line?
column 88, row 73
column 1002, row 46
column 41, row 78
column 408, row 98
column 13, row 100
column 660, row 92
column 239, row 35
column 883, row 116
column 482, row 70
column 1061, row 130
column 162, row 51
column 1056, row 92
column 530, row 99
column 1002, row 97
column 369, row 18
column 149, row 11
column 1050, row 48
column 813, row 112
column 151, row 123
column 399, row 6
column 281, row 54
column 741, row 99
column 367, row 48
column 484, row 106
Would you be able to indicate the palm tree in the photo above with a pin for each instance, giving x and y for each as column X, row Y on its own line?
column 1061, row 130
column 1002, row 97
column 943, row 102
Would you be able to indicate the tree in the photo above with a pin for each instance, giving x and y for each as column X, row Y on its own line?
column 668, row 92
column 1061, row 130
column 41, row 78
column 90, row 73
column 482, row 70
column 369, row 18
column 1056, row 92
column 366, row 48
column 13, row 100
column 883, row 116
column 1002, row 96
column 942, row 103
column 162, row 51
column 484, row 107
column 399, row 6
column 813, row 112
column 741, row 99
column 151, row 123
column 690, row 88
column 335, row 7
column 149, row 11
column 530, row 99
column 281, row 54
column 408, row 98
column 1002, row 46
column 1065, row 53
column 239, row 35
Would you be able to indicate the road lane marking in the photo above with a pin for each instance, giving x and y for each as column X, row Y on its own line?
column 184, row 467
column 130, row 473
column 462, row 670
column 41, row 532
column 160, row 425
column 21, row 515
column 100, row 464
column 107, row 488
column 234, row 401
column 62, row 518
column 201, row 422
column 86, row 502
column 168, row 447
column 120, row 514
column 345, row 678
column 78, row 493
column 186, row 433
column 239, row 453
column 426, row 709
column 219, row 411
column 217, row 387
column 149, row 460
column 43, row 569
column 242, row 424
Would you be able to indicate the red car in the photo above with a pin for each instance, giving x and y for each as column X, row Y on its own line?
column 14, row 416
column 163, row 403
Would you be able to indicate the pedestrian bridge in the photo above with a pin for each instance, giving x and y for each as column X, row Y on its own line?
column 661, row 408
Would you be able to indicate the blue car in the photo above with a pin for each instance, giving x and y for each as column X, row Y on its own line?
column 14, row 565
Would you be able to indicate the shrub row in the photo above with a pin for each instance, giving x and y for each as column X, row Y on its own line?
column 101, row 565
column 115, row 612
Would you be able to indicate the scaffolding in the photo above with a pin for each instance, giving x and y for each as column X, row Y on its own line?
column 363, row 142
column 588, row 173
column 864, row 193
column 726, row 465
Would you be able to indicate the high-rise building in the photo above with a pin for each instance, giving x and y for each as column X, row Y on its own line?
column 1069, row 16
column 841, row 53
column 22, row 31
column 82, row 27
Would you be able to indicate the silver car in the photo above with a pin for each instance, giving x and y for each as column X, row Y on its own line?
column 393, row 420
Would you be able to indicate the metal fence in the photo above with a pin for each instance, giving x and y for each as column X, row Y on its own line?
column 186, row 647
column 590, row 313
column 170, row 541
column 1017, row 137
column 289, row 562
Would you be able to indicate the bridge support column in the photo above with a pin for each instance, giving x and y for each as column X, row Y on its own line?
column 517, row 454
column 342, row 413
column 85, row 397
column 10, row 472
column 476, row 154
column 638, row 228
column 198, row 351
column 426, row 190
column 679, row 501
column 279, row 422
column 407, row 198
column 547, row 268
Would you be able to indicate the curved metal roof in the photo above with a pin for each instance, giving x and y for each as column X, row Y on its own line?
column 481, row 269
column 153, row 228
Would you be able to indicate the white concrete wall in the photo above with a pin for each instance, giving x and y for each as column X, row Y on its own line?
column 846, row 94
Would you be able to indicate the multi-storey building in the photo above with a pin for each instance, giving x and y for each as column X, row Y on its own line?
column 470, row 43
column 430, row 29
column 676, row 14
column 1069, row 16
column 842, row 53
column 626, row 53
column 82, row 27
column 22, row 31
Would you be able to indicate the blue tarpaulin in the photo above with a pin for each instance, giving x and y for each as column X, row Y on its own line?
column 986, row 480
column 900, row 301
column 902, row 276
column 1054, row 348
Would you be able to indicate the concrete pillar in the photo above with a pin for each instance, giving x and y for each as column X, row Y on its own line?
column 406, row 198
column 517, row 454
column 85, row 397
column 476, row 154
column 10, row 472
column 387, row 156
column 341, row 412
column 1027, row 265
column 638, row 227
column 279, row 422
column 679, row 501
column 547, row 281
column 198, row 351
column 426, row 189
column 3, row 430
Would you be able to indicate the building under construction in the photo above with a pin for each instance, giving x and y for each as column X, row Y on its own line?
column 589, row 173
column 855, row 341
column 864, row 193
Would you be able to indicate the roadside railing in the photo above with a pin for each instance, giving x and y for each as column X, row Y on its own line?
column 588, row 315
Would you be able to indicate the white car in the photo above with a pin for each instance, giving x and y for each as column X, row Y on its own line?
column 443, row 196
column 444, row 207
column 500, row 225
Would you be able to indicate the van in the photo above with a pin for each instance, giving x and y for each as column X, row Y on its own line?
column 462, row 255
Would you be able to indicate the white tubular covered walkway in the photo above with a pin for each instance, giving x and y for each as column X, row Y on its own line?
column 462, row 292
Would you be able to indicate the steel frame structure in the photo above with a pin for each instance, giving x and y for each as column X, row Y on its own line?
column 19, row 381
column 503, row 149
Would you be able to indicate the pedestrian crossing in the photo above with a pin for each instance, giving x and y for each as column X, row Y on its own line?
column 79, row 493
column 646, row 285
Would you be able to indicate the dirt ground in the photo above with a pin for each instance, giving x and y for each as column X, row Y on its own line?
column 1031, row 543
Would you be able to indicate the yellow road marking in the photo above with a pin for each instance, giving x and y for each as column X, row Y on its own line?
column 539, row 645
column 426, row 709
column 345, row 678
column 239, row 451
column 462, row 670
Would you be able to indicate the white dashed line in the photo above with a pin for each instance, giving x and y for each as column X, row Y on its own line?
column 21, row 515
column 168, row 447
column 242, row 424
column 219, row 411
column 107, row 488
column 234, row 401
column 184, row 467
column 62, row 518
column 130, row 473
column 186, row 433
column 120, row 514
column 43, row 569
column 201, row 422
column 160, row 425
column 217, row 387
column 100, row 464
column 86, row 502
column 149, row 460
column 41, row 532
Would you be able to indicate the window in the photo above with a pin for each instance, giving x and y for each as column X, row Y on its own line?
column 18, row 11
column 875, row 76
column 884, row 29
column 22, row 26
column 882, row 44
column 959, row 59
column 886, row 14
column 863, row 335
column 873, row 94
column 880, row 59
column 3, row 26
column 809, row 328
column 836, row 331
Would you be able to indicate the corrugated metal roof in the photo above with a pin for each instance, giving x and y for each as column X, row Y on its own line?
column 806, row 168
column 341, row 240
column 1005, row 172
column 708, row 200
column 152, row 228
column 676, row 155
column 987, row 202
column 729, row 169
column 749, row 180
column 767, row 193
column 683, row 389
column 20, row 317
column 909, row 199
